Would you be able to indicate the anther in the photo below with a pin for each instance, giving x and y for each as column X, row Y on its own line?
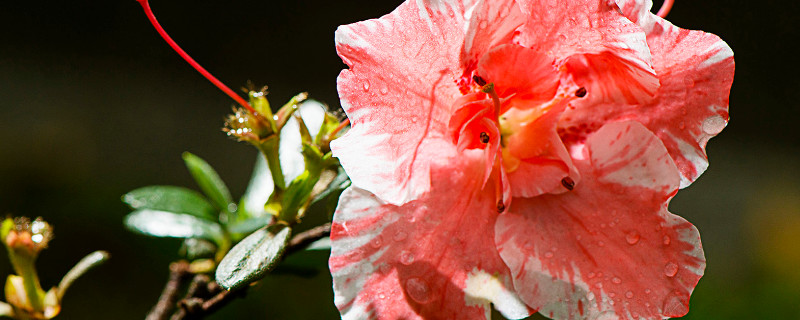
column 484, row 137
column 500, row 206
column 568, row 183
column 480, row 81
column 581, row 92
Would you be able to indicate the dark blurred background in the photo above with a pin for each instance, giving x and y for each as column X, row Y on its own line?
column 94, row 104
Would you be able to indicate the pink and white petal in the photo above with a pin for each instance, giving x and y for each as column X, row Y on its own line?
column 639, row 12
column 595, row 37
column 398, row 94
column 491, row 23
column 608, row 249
column 430, row 258
column 696, row 72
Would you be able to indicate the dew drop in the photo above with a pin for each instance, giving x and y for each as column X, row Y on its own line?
column 598, row 285
column 632, row 237
column 418, row 290
column 483, row 25
column 366, row 85
column 667, row 240
column 601, row 243
column 671, row 269
column 400, row 236
column 591, row 275
column 384, row 90
column 590, row 296
column 682, row 125
column 629, row 294
column 612, row 294
column 377, row 242
column 414, row 119
column 548, row 254
column 406, row 258
column 647, row 291
column 578, row 237
column 602, row 225
column 616, row 280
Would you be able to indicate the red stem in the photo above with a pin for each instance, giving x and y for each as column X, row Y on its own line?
column 194, row 64
column 665, row 7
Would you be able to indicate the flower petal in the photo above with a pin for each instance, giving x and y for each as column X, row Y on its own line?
column 398, row 94
column 609, row 248
column 431, row 258
column 603, row 51
column 696, row 72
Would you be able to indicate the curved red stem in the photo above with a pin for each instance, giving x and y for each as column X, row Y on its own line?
column 665, row 8
column 194, row 64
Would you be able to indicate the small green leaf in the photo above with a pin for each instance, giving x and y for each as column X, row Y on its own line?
column 208, row 180
column 258, row 190
column 172, row 199
column 253, row 257
column 195, row 248
column 245, row 227
column 173, row 225
column 321, row 244
column 329, row 198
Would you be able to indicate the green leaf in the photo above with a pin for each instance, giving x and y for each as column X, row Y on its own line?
column 329, row 198
column 321, row 244
column 253, row 257
column 172, row 199
column 209, row 181
column 173, row 225
column 245, row 227
column 258, row 191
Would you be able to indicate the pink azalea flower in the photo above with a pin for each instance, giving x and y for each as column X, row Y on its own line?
column 522, row 153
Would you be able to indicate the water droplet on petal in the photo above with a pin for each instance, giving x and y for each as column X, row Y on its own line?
column 591, row 275
column 366, row 85
column 400, row 236
column 616, row 280
column 598, row 285
column 612, row 294
column 667, row 240
column 671, row 269
column 377, row 242
column 406, row 258
column 384, row 90
column 418, row 290
column 483, row 24
column 629, row 294
column 590, row 296
column 548, row 254
column 601, row 243
column 632, row 237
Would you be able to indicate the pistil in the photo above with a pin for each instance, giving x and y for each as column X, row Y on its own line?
column 188, row 59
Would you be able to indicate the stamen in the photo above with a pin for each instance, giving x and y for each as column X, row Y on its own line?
column 480, row 81
column 484, row 137
column 501, row 207
column 581, row 92
column 568, row 183
column 665, row 8
column 187, row 58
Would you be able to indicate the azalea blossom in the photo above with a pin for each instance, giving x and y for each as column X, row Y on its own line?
column 522, row 154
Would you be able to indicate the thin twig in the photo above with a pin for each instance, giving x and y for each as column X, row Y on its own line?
column 197, row 305
column 305, row 238
column 178, row 274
